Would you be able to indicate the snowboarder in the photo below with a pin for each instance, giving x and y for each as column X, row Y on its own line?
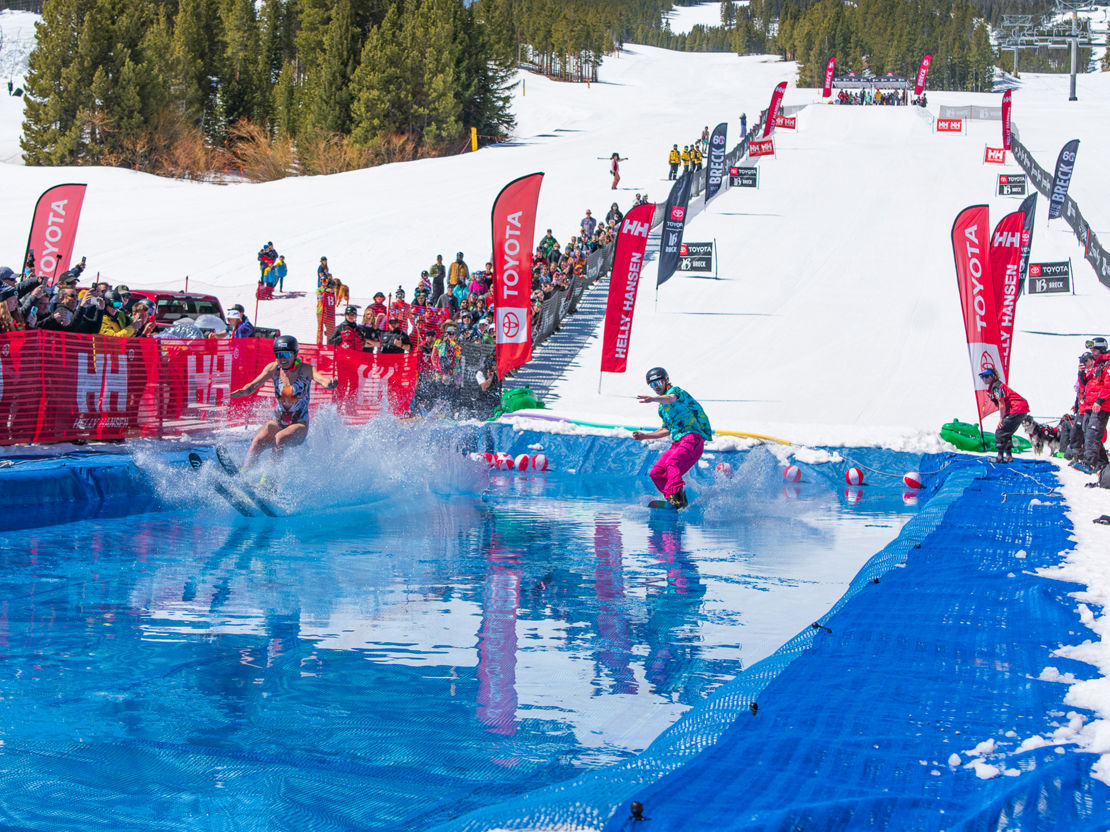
column 685, row 422
column 615, row 168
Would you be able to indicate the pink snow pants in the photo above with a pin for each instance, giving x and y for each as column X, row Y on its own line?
column 667, row 471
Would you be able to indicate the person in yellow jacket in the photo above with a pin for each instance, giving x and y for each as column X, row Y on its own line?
column 458, row 272
column 115, row 320
column 695, row 157
column 685, row 159
column 674, row 158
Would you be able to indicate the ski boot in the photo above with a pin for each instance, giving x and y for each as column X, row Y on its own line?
column 678, row 499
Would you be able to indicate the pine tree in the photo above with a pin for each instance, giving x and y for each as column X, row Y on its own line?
column 330, row 93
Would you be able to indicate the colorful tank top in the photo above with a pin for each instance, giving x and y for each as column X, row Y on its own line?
column 684, row 416
column 291, row 394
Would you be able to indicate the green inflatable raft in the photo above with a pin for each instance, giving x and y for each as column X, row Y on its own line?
column 965, row 436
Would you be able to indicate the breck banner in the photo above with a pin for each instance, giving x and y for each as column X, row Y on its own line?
column 1061, row 179
column 514, row 226
column 830, row 68
column 970, row 247
column 922, row 74
column 715, row 170
column 628, row 260
column 54, row 228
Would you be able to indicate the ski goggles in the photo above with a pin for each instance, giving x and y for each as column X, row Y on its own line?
column 283, row 354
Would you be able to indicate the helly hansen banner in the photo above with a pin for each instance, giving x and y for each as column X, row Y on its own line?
column 830, row 68
column 514, row 226
column 922, row 74
column 54, row 228
column 715, row 172
column 1061, row 179
column 628, row 261
column 674, row 220
column 971, row 249
column 1007, row 103
column 773, row 110
column 1005, row 262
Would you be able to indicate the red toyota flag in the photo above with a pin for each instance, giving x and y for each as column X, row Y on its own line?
column 773, row 110
column 54, row 228
column 830, row 68
column 1006, row 104
column 971, row 249
column 628, row 260
column 514, row 226
column 922, row 73
column 1005, row 262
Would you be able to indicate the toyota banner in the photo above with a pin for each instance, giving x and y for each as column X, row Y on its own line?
column 514, row 226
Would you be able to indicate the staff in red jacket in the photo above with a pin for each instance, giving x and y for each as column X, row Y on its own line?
column 1011, row 407
column 1098, row 394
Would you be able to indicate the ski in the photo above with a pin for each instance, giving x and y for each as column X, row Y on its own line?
column 236, row 502
column 223, row 456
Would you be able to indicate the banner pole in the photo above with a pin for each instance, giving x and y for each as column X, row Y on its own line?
column 982, row 434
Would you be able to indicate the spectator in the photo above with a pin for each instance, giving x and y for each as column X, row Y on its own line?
column 458, row 273
column 685, row 157
column 485, row 334
column 674, row 158
column 370, row 316
column 438, row 275
column 266, row 258
column 241, row 327
column 29, row 264
column 588, row 224
column 9, row 309
column 547, row 242
column 128, row 300
column 554, row 256
column 425, row 284
column 395, row 339
column 323, row 274
column 115, row 320
column 277, row 273
column 60, row 320
column 614, row 216
column 142, row 322
column 446, row 353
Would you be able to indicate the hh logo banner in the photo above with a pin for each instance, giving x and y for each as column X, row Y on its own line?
column 950, row 125
column 762, row 147
column 994, row 156
column 790, row 123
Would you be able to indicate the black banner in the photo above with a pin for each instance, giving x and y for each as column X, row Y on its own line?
column 743, row 177
column 715, row 171
column 695, row 257
column 1061, row 179
column 1049, row 278
column 1011, row 184
column 674, row 220
column 1029, row 207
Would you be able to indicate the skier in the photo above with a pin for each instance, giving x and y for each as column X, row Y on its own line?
column 685, row 422
column 292, row 380
column 615, row 168
column 1011, row 407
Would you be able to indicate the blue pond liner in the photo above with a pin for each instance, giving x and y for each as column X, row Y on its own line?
column 936, row 647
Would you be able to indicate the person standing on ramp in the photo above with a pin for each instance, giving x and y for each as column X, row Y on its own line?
column 685, row 422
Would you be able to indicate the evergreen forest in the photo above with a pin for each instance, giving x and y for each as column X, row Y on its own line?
column 271, row 88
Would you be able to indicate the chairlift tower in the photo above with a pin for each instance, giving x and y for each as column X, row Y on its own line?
column 1025, row 31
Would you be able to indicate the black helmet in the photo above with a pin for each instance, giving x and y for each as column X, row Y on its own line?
column 1097, row 343
column 656, row 374
column 1085, row 357
column 286, row 343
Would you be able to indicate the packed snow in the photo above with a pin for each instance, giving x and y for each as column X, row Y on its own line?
column 835, row 319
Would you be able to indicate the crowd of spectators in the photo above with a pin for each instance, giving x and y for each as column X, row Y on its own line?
column 868, row 97
column 1083, row 430
column 691, row 157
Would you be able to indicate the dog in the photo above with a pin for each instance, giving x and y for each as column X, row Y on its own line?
column 1041, row 436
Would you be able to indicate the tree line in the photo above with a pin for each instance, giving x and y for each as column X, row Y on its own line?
column 274, row 87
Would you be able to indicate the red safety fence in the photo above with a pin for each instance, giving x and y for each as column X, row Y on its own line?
column 59, row 387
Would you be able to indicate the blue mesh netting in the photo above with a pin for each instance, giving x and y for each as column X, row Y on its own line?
column 856, row 727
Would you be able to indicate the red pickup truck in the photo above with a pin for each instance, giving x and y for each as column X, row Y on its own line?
column 169, row 307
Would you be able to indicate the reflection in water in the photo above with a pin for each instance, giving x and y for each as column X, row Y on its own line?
column 385, row 666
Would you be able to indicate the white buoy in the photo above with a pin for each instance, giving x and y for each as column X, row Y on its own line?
column 792, row 473
column 521, row 462
column 853, row 476
column 912, row 479
column 539, row 462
